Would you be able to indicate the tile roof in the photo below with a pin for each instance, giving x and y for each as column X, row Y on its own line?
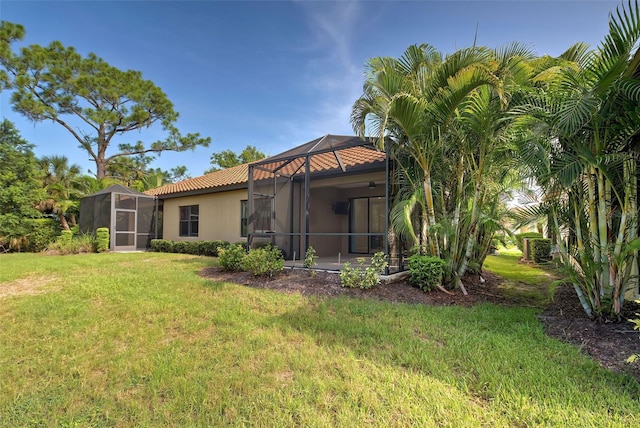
column 238, row 175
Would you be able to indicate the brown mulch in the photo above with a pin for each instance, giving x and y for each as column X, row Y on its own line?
column 609, row 343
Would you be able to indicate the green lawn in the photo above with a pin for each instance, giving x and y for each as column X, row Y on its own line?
column 142, row 340
column 523, row 281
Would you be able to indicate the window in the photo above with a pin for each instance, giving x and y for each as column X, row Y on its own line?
column 189, row 220
column 244, row 209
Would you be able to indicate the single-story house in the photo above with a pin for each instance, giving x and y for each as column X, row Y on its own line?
column 331, row 193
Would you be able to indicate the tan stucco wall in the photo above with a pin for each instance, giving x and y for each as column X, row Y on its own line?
column 219, row 216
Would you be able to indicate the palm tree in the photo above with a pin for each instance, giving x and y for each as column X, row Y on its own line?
column 446, row 112
column 584, row 121
column 59, row 183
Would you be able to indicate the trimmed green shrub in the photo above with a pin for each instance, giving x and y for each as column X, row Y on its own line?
column 265, row 261
column 520, row 236
column 102, row 239
column 162, row 245
column 361, row 277
column 540, row 250
column 199, row 248
column 425, row 272
column 231, row 258
column 183, row 247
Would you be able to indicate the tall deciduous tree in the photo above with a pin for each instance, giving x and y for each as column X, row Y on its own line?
column 227, row 158
column 98, row 104
column 20, row 183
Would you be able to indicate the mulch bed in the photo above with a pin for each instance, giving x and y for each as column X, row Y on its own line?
column 609, row 343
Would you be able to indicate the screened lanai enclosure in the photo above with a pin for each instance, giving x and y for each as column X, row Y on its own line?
column 130, row 216
column 331, row 194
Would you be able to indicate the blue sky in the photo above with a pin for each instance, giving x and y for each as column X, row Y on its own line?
column 274, row 74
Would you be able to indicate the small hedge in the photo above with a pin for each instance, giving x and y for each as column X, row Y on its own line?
column 425, row 272
column 198, row 248
column 540, row 250
column 521, row 236
column 102, row 239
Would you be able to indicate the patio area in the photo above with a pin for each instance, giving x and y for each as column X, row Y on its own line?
column 335, row 263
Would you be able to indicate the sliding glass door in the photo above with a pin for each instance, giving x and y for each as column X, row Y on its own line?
column 366, row 215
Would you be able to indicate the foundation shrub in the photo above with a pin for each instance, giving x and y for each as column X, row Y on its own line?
column 264, row 261
column 231, row 258
column 183, row 247
column 162, row 245
column 425, row 272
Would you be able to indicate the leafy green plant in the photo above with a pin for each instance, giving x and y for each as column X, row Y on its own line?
column 361, row 276
column 182, row 247
column 162, row 245
column 40, row 233
column 231, row 258
column 265, row 261
column 102, row 239
column 83, row 243
column 310, row 260
column 65, row 236
column 425, row 272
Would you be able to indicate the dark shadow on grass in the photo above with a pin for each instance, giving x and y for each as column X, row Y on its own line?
column 398, row 335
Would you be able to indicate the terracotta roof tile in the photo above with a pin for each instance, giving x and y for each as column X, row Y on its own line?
column 351, row 157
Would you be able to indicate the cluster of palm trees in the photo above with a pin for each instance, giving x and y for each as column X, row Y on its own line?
column 466, row 127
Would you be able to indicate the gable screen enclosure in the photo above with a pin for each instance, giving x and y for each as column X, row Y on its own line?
column 130, row 216
column 331, row 194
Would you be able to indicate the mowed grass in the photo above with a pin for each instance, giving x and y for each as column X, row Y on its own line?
column 526, row 282
column 142, row 340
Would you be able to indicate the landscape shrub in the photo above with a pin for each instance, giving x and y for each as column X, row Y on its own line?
column 264, row 261
column 40, row 233
column 162, row 245
column 540, row 250
column 83, row 243
column 521, row 236
column 231, row 257
column 210, row 248
column 425, row 272
column 102, row 239
column 361, row 277
column 65, row 236
column 199, row 248
column 310, row 260
column 183, row 247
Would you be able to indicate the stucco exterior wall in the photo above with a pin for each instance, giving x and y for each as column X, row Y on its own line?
column 219, row 216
